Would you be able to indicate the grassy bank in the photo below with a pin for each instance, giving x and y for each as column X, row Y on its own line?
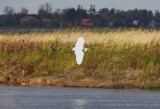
column 115, row 59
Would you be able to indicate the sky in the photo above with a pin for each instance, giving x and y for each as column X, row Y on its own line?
column 33, row 5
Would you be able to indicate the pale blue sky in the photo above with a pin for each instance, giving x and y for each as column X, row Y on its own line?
column 33, row 5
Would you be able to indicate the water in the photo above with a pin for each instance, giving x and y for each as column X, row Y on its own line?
column 76, row 98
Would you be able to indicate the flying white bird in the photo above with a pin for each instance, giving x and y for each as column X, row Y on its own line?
column 79, row 50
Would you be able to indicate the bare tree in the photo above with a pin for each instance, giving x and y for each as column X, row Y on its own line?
column 8, row 10
column 92, row 9
column 47, row 7
column 24, row 11
column 45, row 10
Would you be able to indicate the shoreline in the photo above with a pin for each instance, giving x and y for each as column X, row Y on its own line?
column 87, row 83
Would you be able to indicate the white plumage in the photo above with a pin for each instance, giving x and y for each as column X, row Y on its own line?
column 79, row 50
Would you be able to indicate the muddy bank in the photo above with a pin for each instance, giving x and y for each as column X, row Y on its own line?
column 61, row 82
column 129, row 79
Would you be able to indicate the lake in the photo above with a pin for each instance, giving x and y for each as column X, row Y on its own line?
column 76, row 98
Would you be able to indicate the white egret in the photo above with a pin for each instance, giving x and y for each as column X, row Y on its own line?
column 79, row 50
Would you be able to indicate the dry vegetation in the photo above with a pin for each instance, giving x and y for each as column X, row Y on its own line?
column 91, row 36
column 116, row 59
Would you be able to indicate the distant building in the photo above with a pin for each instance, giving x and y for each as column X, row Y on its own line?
column 136, row 22
column 86, row 22
column 47, row 22
column 29, row 18
column 29, row 21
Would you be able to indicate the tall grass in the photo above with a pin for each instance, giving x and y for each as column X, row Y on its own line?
column 91, row 36
column 112, row 55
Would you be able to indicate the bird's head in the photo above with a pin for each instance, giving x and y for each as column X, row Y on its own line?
column 85, row 49
column 73, row 49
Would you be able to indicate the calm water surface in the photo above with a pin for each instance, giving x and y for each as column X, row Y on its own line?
column 76, row 98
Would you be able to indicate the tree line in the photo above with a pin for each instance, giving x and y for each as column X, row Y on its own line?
column 72, row 17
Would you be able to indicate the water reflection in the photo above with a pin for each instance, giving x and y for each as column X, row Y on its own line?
column 79, row 103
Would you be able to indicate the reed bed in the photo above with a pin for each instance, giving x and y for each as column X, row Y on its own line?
column 118, row 56
column 91, row 36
